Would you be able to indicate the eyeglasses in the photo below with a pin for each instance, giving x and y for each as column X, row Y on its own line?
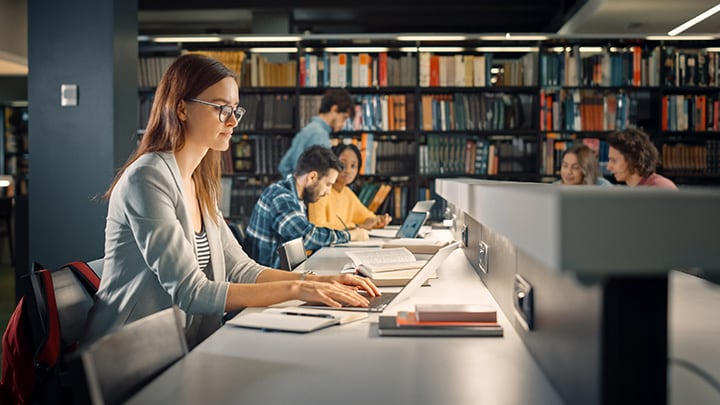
column 225, row 110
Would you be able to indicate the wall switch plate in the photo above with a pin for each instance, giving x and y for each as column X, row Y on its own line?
column 523, row 301
column 68, row 95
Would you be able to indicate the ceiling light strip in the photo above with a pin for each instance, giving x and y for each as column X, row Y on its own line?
column 702, row 16
column 431, row 37
column 287, row 49
column 356, row 49
column 267, row 38
column 186, row 39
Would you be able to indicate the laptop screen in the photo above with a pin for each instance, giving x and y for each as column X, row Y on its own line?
column 412, row 224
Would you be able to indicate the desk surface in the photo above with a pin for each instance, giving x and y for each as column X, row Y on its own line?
column 350, row 364
column 694, row 339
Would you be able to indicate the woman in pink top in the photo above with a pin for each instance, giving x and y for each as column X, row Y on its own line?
column 632, row 158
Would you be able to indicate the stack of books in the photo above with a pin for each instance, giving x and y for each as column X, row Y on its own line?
column 442, row 320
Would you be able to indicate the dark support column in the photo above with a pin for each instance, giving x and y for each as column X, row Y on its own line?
column 75, row 150
column 634, row 341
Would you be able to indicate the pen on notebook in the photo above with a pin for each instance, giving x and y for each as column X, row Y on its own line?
column 307, row 314
column 343, row 222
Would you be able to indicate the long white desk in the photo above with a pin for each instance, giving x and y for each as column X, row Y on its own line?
column 350, row 364
column 693, row 338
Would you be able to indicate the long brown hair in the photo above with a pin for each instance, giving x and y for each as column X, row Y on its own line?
column 587, row 161
column 186, row 78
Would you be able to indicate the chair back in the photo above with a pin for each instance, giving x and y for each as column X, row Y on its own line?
column 292, row 254
column 117, row 365
column 44, row 331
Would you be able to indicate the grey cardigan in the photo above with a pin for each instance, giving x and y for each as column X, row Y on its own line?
column 150, row 254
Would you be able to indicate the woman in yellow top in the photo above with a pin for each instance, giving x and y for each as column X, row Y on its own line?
column 341, row 208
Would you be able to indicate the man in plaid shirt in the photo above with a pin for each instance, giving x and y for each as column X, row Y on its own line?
column 280, row 214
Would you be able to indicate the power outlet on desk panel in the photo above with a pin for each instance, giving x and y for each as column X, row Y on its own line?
column 482, row 249
column 523, row 297
column 483, row 256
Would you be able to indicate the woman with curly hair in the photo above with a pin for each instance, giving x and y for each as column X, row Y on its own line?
column 632, row 158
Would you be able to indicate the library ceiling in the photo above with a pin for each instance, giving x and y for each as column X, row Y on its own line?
column 569, row 17
column 367, row 16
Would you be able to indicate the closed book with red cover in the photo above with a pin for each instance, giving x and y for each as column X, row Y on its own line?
column 387, row 326
column 455, row 312
column 408, row 319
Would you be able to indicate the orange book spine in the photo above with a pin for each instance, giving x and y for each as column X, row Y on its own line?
column 637, row 65
column 382, row 69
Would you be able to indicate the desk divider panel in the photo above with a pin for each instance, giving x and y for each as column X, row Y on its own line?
column 599, row 328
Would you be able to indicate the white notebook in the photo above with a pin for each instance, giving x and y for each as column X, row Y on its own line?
column 293, row 319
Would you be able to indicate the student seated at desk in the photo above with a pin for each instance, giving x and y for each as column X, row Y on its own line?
column 341, row 208
column 632, row 158
column 165, row 239
column 280, row 213
column 580, row 166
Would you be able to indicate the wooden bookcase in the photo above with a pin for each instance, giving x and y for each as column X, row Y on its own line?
column 486, row 109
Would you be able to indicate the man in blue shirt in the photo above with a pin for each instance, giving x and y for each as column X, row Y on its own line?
column 336, row 107
column 280, row 214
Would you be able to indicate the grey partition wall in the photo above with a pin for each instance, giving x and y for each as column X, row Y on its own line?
column 583, row 273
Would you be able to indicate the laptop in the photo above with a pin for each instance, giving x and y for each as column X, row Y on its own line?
column 424, row 205
column 381, row 303
column 409, row 228
column 412, row 225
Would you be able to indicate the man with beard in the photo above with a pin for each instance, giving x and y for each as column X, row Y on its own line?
column 280, row 214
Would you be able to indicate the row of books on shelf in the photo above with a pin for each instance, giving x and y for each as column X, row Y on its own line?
column 475, row 70
column 259, row 71
column 690, row 112
column 357, row 70
column 394, row 112
column 309, row 106
column 384, row 197
column 426, row 192
column 383, row 155
column 632, row 66
column 476, row 112
column 589, row 110
column 689, row 68
column 255, row 154
column 387, row 112
column 692, row 159
column 151, row 69
column 462, row 154
column 239, row 196
column 267, row 111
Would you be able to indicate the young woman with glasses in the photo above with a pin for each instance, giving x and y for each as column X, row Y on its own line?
column 166, row 242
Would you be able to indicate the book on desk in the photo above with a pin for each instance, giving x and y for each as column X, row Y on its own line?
column 451, row 322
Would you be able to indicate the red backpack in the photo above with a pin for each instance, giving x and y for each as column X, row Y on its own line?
column 46, row 325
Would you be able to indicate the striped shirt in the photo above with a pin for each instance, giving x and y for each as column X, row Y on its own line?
column 203, row 249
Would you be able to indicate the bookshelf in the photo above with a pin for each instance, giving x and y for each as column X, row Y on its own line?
column 494, row 109
column 14, row 156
